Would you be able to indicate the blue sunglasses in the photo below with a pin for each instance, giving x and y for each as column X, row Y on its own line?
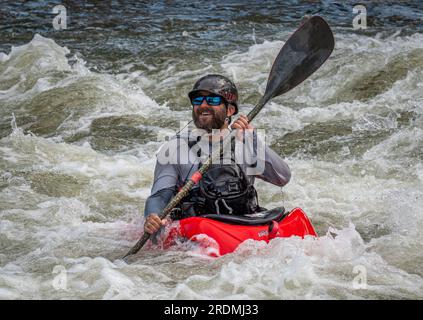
column 211, row 100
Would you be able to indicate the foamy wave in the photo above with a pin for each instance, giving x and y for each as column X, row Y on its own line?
column 63, row 99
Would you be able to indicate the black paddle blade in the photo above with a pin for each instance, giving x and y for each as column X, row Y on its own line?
column 303, row 53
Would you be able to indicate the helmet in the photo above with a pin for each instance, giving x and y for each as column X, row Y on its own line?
column 218, row 85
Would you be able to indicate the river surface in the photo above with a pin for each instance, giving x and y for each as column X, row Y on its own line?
column 82, row 111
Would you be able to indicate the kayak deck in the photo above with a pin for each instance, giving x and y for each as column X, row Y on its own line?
column 224, row 237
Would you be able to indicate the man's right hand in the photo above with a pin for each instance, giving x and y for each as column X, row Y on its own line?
column 153, row 223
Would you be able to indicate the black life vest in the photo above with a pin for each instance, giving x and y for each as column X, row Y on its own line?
column 224, row 189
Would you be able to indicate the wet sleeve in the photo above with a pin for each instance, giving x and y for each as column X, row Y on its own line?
column 276, row 170
column 268, row 165
column 158, row 201
column 164, row 186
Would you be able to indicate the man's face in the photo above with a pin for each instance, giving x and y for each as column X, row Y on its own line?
column 208, row 117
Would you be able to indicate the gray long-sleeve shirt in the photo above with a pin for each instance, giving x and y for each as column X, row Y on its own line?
column 176, row 163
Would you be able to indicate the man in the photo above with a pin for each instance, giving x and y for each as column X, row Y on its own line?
column 225, row 188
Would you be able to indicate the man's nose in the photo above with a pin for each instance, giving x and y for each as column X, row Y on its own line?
column 204, row 103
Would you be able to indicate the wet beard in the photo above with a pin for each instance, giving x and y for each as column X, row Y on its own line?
column 215, row 121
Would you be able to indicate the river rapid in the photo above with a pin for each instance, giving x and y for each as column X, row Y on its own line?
column 84, row 110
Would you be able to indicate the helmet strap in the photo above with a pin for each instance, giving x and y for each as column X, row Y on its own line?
column 228, row 118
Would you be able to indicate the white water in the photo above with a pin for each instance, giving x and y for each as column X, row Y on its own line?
column 69, row 211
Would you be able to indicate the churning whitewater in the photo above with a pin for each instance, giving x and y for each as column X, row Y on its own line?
column 77, row 152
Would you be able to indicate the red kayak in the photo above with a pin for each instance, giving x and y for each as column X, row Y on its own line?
column 221, row 234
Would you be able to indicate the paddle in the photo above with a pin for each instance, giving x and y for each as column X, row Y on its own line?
column 303, row 53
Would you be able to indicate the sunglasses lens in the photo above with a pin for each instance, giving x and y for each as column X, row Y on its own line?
column 211, row 100
column 197, row 101
column 214, row 101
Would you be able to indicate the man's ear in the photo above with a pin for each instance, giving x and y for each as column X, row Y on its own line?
column 230, row 111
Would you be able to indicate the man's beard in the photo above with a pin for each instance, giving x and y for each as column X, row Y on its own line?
column 215, row 121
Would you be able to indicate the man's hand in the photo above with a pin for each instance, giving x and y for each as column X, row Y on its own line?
column 242, row 124
column 153, row 223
